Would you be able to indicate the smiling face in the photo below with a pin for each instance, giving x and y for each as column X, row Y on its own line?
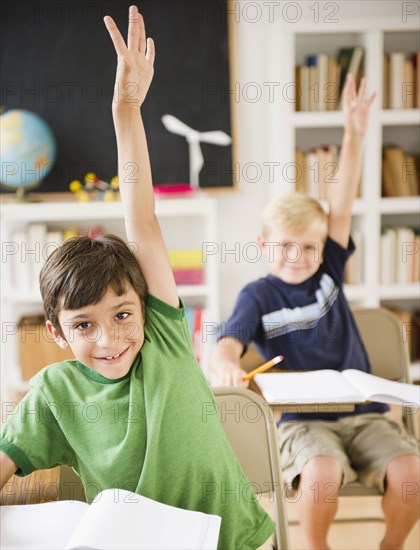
column 107, row 336
column 293, row 256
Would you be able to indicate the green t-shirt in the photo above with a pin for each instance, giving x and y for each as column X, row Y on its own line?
column 154, row 431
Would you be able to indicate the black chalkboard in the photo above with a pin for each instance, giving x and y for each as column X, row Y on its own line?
column 58, row 61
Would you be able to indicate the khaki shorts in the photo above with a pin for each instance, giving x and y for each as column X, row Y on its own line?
column 364, row 444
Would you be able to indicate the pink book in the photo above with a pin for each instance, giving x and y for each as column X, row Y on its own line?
column 188, row 276
column 174, row 189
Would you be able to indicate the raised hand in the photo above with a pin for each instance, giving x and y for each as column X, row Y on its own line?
column 135, row 61
column 356, row 107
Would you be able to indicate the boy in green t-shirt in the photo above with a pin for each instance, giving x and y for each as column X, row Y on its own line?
column 128, row 411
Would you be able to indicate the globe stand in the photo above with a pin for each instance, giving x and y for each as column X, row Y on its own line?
column 22, row 196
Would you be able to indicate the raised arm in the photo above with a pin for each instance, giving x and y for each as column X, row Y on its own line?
column 133, row 78
column 341, row 194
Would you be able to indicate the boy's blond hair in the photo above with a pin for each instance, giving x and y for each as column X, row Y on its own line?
column 295, row 211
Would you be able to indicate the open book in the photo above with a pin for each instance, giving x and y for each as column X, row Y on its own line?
column 330, row 386
column 116, row 519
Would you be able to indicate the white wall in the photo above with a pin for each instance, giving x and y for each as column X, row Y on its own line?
column 259, row 48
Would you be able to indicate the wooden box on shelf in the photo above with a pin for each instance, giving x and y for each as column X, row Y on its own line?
column 37, row 349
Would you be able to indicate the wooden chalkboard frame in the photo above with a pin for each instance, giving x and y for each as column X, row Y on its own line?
column 56, row 52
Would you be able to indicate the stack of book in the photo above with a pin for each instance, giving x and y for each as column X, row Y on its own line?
column 31, row 246
column 401, row 81
column 187, row 266
column 400, row 255
column 400, row 173
column 316, row 170
column 320, row 83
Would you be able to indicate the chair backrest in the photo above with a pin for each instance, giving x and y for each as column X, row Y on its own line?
column 251, row 429
column 382, row 334
column 386, row 344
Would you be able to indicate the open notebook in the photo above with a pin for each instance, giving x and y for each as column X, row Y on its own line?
column 116, row 519
column 330, row 386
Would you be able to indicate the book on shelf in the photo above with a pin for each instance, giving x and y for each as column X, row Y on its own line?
column 313, row 83
column 353, row 273
column 400, row 80
column 330, row 386
column 20, row 274
column 408, row 84
column 322, row 64
column 415, row 59
column 53, row 239
column 300, row 172
column 396, row 80
column 187, row 266
column 416, row 263
column 405, row 254
column 34, row 244
column 193, row 276
column 400, row 176
column 388, row 188
column 385, row 81
column 388, row 256
column 116, row 519
column 318, row 78
column 321, row 81
column 410, row 171
column 298, row 89
column 333, row 84
column 188, row 258
column 194, row 317
column 312, row 172
column 350, row 60
column 34, row 257
column 315, row 170
column 304, row 83
column 399, row 255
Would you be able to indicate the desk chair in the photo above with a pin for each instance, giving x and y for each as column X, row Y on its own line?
column 383, row 337
column 251, row 430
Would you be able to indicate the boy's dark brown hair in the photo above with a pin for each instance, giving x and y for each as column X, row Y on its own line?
column 81, row 270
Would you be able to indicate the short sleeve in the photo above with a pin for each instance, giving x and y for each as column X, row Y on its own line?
column 167, row 328
column 245, row 321
column 335, row 258
column 31, row 436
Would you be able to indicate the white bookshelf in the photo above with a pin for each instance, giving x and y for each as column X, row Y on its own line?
column 186, row 223
column 371, row 212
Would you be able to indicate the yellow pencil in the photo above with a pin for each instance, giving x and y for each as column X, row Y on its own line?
column 264, row 367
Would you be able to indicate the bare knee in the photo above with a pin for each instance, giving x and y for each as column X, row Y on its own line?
column 322, row 473
column 403, row 476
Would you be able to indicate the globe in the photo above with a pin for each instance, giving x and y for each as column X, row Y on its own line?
column 27, row 150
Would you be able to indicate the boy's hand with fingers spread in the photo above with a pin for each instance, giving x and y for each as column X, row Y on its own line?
column 341, row 194
column 356, row 108
column 135, row 61
column 133, row 78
